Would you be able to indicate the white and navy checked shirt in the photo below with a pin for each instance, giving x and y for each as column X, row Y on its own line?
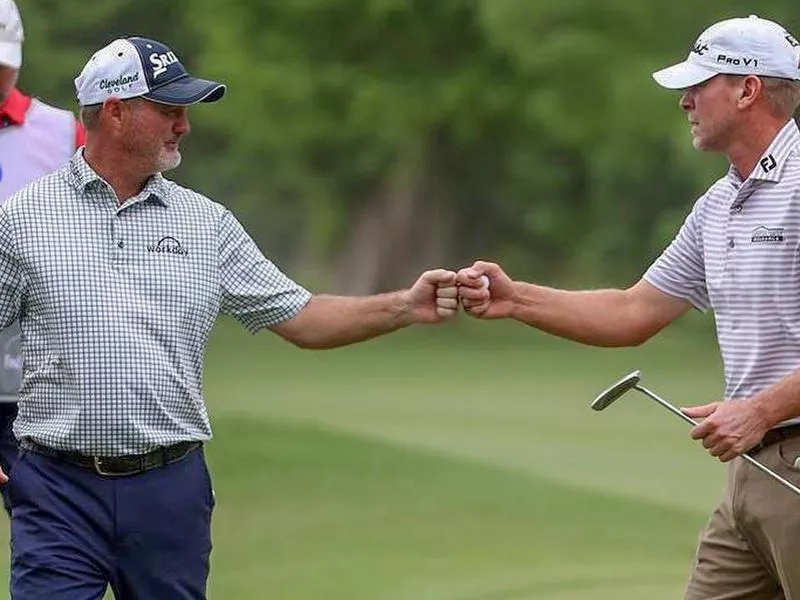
column 738, row 253
column 116, row 304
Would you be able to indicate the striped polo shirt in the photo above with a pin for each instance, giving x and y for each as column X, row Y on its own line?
column 116, row 304
column 738, row 254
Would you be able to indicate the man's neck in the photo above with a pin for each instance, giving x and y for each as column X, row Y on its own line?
column 748, row 149
column 106, row 163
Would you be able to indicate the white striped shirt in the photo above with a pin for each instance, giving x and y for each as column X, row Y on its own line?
column 116, row 304
column 738, row 254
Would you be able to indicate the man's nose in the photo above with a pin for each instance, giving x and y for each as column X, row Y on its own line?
column 182, row 126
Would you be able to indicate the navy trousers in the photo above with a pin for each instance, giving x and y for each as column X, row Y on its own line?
column 74, row 532
column 8, row 444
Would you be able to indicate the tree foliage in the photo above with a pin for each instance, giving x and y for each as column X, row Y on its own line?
column 362, row 140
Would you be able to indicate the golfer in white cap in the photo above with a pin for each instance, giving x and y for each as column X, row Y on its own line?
column 738, row 254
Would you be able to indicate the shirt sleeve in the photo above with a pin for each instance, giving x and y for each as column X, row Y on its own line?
column 254, row 290
column 10, row 274
column 680, row 270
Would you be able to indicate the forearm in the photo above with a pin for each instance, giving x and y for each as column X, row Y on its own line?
column 595, row 317
column 781, row 401
column 333, row 321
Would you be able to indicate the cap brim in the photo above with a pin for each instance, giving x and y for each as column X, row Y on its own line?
column 683, row 75
column 11, row 54
column 187, row 90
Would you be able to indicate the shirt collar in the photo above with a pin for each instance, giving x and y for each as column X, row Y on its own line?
column 770, row 166
column 13, row 109
column 83, row 178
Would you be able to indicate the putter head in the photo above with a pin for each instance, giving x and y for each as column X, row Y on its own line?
column 622, row 386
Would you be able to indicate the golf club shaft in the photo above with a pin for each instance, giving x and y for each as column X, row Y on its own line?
column 771, row 473
column 746, row 457
column 666, row 404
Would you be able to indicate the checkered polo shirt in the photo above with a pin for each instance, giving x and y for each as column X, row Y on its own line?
column 738, row 253
column 116, row 304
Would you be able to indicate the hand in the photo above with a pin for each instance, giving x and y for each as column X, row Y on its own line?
column 434, row 297
column 3, row 477
column 494, row 301
column 728, row 429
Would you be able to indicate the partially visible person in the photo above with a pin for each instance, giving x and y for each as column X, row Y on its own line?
column 35, row 139
column 737, row 253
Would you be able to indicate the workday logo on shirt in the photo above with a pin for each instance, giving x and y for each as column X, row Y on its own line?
column 168, row 245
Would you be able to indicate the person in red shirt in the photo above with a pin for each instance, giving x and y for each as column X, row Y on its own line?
column 35, row 139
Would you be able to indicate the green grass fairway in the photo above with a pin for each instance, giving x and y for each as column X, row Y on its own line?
column 455, row 463
column 334, row 516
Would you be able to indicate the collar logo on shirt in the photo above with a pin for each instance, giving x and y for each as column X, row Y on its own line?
column 168, row 245
column 768, row 163
column 767, row 235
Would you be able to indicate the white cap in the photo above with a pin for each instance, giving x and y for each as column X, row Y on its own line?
column 140, row 67
column 740, row 46
column 11, row 35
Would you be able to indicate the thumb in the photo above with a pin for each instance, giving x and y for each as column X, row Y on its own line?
column 702, row 411
column 480, row 267
column 440, row 277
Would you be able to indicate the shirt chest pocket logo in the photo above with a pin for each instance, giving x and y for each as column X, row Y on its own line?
column 767, row 235
column 168, row 245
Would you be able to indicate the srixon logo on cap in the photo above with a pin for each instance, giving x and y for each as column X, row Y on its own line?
column 161, row 62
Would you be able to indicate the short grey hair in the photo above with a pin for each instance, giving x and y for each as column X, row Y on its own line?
column 782, row 95
column 90, row 116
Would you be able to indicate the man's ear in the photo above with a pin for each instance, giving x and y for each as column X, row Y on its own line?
column 115, row 111
column 750, row 89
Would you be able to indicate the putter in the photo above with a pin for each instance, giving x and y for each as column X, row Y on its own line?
column 631, row 382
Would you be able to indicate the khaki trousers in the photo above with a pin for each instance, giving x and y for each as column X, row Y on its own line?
column 750, row 549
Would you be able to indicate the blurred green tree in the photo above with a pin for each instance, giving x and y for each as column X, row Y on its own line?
column 363, row 140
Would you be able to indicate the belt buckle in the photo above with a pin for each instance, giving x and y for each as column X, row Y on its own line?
column 98, row 467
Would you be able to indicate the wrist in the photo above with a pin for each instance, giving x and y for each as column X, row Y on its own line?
column 403, row 308
column 765, row 409
column 518, row 303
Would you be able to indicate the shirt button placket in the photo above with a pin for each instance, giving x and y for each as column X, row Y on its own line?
column 117, row 241
column 736, row 208
column 729, row 240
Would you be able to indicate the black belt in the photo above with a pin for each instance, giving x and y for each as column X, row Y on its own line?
column 773, row 436
column 117, row 466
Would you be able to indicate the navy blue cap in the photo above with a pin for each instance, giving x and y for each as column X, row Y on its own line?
column 138, row 67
